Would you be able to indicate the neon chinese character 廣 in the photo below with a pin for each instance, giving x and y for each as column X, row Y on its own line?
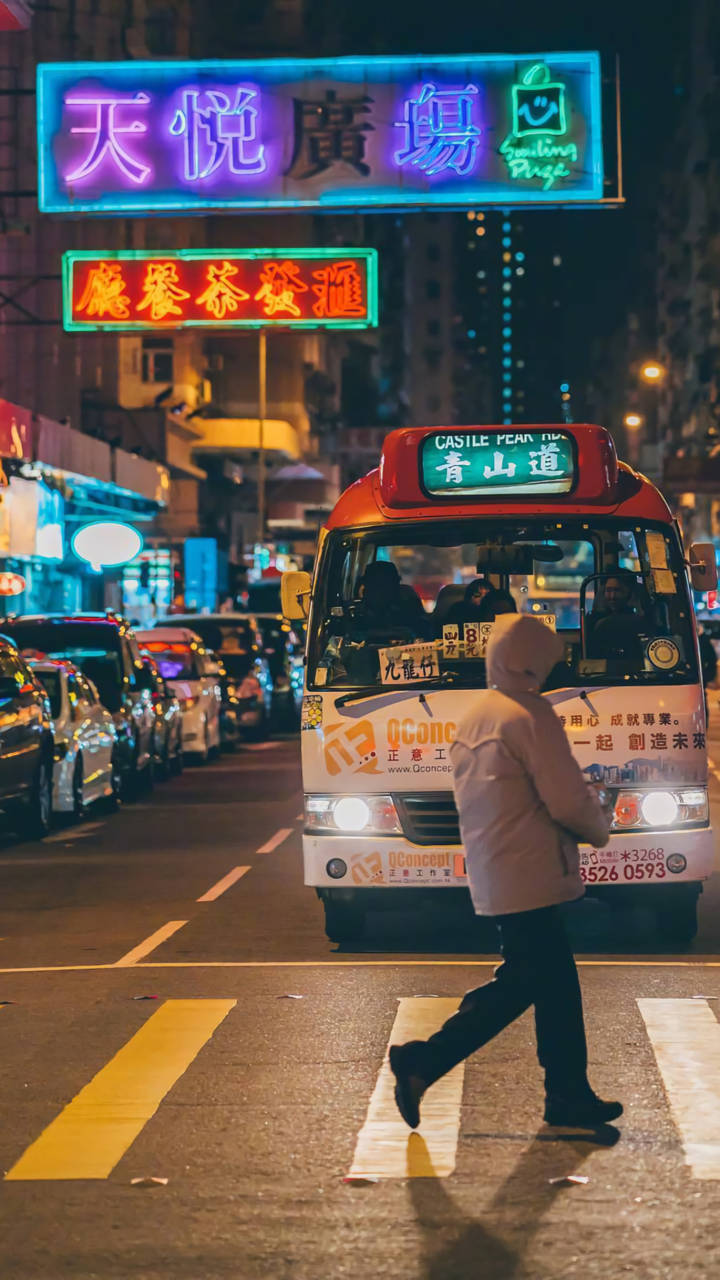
column 221, row 294
column 439, row 129
column 104, row 292
column 327, row 132
column 106, row 131
column 162, row 291
column 280, row 281
column 452, row 466
column 339, row 291
column 219, row 132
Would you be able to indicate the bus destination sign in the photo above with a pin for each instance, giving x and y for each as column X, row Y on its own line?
column 491, row 463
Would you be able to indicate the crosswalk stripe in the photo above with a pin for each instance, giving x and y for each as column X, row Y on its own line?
column 385, row 1146
column 95, row 1130
column 685, row 1036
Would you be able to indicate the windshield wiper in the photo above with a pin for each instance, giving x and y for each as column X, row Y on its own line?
column 434, row 682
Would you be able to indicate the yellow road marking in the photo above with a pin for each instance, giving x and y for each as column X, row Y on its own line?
column 278, row 839
column 149, row 944
column 347, row 964
column 95, row 1130
column 385, row 1147
column 227, row 881
column 685, row 1036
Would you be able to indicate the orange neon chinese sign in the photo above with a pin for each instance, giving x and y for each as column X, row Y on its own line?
column 251, row 288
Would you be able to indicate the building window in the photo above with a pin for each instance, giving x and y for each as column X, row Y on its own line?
column 432, row 289
column 157, row 360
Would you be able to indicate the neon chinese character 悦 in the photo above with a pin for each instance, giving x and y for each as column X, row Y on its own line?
column 162, row 291
column 279, row 284
column 104, row 292
column 544, row 461
column 439, row 130
column 219, row 132
column 339, row 291
column 327, row 132
column 497, row 469
column 452, row 466
column 221, row 294
column 105, row 133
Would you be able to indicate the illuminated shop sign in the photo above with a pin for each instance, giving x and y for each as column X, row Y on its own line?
column 492, row 463
column 319, row 133
column 246, row 288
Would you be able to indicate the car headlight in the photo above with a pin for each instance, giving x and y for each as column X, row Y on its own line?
column 661, row 809
column 352, row 814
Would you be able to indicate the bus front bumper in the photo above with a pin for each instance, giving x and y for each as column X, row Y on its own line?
column 367, row 862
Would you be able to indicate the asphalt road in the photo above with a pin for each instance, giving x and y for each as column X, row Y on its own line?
column 253, row 1105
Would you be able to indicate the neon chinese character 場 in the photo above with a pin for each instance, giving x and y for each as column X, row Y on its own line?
column 440, row 133
column 104, row 292
column 106, row 131
column 162, row 291
column 339, row 292
column 219, row 132
column 326, row 132
column 280, row 282
column 221, row 294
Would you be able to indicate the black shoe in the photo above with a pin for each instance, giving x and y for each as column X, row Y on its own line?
column 409, row 1087
column 586, row 1112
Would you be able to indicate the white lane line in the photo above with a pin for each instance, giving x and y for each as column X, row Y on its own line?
column 73, row 833
column 386, row 1148
column 144, row 948
column 685, row 1036
column 231, row 878
column 275, row 840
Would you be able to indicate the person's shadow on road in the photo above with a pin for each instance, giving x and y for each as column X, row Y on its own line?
column 456, row 1247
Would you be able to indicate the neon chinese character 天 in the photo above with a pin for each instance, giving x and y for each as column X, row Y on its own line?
column 452, row 466
column 339, row 291
column 219, row 132
column 221, row 295
column 280, row 282
column 106, row 131
column 327, row 131
column 440, row 133
column 161, row 291
column 104, row 292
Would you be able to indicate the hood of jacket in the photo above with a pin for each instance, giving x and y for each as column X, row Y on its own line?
column 521, row 653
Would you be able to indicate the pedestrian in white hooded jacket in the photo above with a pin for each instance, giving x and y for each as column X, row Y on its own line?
column 523, row 804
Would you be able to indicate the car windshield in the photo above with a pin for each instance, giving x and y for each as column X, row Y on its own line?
column 232, row 641
column 397, row 608
column 50, row 681
column 175, row 661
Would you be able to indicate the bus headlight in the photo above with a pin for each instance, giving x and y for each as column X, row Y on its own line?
column 687, row 806
column 352, row 815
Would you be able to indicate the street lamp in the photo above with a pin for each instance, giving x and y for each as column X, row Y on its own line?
column 652, row 371
column 633, row 420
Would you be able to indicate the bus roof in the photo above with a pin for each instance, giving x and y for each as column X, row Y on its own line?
column 596, row 483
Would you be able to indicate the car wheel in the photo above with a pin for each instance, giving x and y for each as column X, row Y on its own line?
column 676, row 920
column 78, row 786
column 204, row 755
column 35, row 815
column 344, row 921
column 178, row 762
column 165, row 766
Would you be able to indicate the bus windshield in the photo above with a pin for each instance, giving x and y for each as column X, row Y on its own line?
column 420, row 601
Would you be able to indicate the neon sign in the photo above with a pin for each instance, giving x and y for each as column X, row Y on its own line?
column 539, row 118
column 490, row 463
column 319, row 133
column 238, row 288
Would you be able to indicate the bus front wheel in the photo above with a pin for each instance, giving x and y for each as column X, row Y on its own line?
column 344, row 919
column 676, row 915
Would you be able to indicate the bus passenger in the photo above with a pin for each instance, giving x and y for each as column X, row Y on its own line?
column 469, row 608
column 616, row 626
column 387, row 604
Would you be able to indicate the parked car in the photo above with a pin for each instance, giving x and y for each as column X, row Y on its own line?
column 104, row 647
column 193, row 677
column 231, row 731
column 26, row 746
column 87, row 763
column 168, row 737
column 238, row 644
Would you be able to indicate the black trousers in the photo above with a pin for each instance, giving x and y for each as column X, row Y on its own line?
column 538, row 969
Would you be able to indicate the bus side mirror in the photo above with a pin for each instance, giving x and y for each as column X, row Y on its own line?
column 703, row 567
column 295, row 594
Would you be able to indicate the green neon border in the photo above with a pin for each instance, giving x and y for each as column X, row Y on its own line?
column 370, row 256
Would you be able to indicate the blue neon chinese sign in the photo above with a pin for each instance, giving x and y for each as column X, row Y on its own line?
column 319, row 133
